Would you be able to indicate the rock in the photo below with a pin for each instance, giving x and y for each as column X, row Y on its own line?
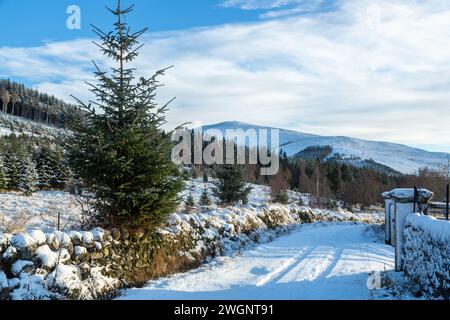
column 22, row 266
column 99, row 234
column 98, row 246
column 5, row 240
column 10, row 254
column 124, row 234
column 14, row 283
column 80, row 253
column 88, row 239
column 85, row 271
column 46, row 258
column 115, row 233
column 38, row 236
column 139, row 235
column 25, row 245
column 76, row 237
column 52, row 241
column 3, row 280
column 96, row 256
column 66, row 280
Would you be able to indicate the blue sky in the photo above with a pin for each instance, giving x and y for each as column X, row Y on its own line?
column 35, row 22
column 372, row 69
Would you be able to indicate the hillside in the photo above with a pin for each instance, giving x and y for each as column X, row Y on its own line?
column 396, row 156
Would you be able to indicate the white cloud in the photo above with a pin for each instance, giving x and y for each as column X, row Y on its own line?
column 371, row 69
column 279, row 8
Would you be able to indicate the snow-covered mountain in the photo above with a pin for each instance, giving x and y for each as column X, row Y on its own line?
column 396, row 156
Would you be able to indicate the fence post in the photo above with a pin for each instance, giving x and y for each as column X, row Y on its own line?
column 415, row 198
column 447, row 204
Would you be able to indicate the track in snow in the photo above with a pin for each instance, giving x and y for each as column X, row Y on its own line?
column 316, row 262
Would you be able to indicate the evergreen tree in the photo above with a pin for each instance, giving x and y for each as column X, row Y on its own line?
column 282, row 197
column 2, row 175
column 189, row 203
column 51, row 170
column 12, row 172
column 231, row 186
column 122, row 154
column 204, row 199
column 28, row 177
column 205, row 177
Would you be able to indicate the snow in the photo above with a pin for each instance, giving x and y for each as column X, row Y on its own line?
column 19, row 266
column 39, row 211
column 407, row 194
column 46, row 257
column 22, row 241
column 399, row 157
column 318, row 261
column 426, row 254
column 438, row 230
column 15, row 125
column 3, row 281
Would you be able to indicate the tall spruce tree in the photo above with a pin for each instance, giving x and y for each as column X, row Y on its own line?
column 230, row 186
column 28, row 176
column 2, row 174
column 122, row 154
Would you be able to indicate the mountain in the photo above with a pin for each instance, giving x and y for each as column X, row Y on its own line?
column 399, row 157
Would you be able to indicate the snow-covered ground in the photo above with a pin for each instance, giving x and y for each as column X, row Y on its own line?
column 40, row 210
column 19, row 212
column 318, row 261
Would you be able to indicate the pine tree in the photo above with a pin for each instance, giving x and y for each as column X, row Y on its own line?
column 230, row 186
column 189, row 203
column 12, row 172
column 282, row 197
column 51, row 170
column 28, row 176
column 2, row 175
column 122, row 154
column 204, row 199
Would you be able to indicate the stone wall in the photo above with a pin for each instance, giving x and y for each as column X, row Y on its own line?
column 426, row 253
column 94, row 264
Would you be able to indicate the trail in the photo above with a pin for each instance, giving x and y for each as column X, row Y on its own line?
column 318, row 261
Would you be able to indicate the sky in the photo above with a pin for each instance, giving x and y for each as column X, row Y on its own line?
column 371, row 69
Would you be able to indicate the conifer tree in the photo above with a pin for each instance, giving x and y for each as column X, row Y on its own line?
column 28, row 177
column 204, row 199
column 231, row 186
column 121, row 154
column 189, row 203
column 2, row 175
column 12, row 173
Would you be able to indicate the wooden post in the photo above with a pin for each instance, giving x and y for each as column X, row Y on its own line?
column 415, row 198
column 59, row 221
column 447, row 204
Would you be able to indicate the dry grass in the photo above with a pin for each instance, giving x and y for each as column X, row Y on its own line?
column 16, row 225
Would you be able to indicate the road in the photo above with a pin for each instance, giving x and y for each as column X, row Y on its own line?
column 318, row 261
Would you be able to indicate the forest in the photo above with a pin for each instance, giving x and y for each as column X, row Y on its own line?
column 17, row 100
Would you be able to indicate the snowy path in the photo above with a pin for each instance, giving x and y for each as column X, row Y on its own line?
column 316, row 262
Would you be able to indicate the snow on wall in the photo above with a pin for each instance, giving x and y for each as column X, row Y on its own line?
column 426, row 253
column 91, row 265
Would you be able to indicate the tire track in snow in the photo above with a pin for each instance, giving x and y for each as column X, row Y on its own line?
column 284, row 269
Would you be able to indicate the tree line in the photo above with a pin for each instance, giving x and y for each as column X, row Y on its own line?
column 30, row 104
